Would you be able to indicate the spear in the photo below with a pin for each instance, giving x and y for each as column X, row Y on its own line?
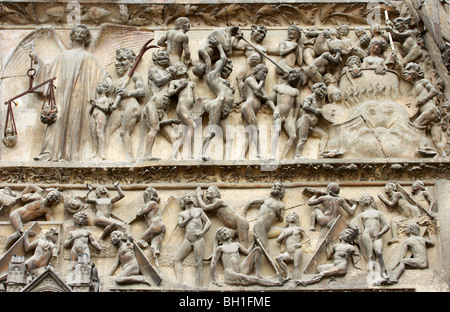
column 265, row 55
column 144, row 49
column 390, row 35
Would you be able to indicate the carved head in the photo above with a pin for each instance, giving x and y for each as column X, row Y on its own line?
column 343, row 31
column 401, row 24
column 367, row 201
column 359, row 31
column 80, row 218
column 390, row 187
column 199, row 69
column 260, row 71
column 412, row 72
column 254, row 59
column 375, row 30
column 51, row 234
column 223, row 234
column 151, row 194
column 124, row 60
column 294, row 32
column 364, row 41
column 183, row 24
column 81, row 34
column 101, row 192
column 320, row 89
column 294, row 77
column 54, row 197
column 333, row 189
column 413, row 229
column 278, row 189
column 258, row 33
column 348, row 235
column 73, row 204
column 293, row 217
column 161, row 58
column 418, row 186
column 117, row 237
column 186, row 199
column 377, row 47
column 105, row 87
column 212, row 192
column 180, row 70
column 353, row 61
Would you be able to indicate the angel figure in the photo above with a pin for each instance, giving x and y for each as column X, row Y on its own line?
column 78, row 68
column 79, row 71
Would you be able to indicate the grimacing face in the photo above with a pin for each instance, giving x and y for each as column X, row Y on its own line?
column 162, row 58
column 122, row 63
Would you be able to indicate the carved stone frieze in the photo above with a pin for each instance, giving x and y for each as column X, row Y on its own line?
column 223, row 146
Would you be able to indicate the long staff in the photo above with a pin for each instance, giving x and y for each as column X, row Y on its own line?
column 144, row 49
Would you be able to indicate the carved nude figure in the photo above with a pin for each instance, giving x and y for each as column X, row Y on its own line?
column 219, row 107
column 257, row 35
column 291, row 236
column 45, row 250
column 334, row 94
column 315, row 71
column 156, row 228
column 290, row 50
column 226, row 214
column 155, row 111
column 208, row 53
column 254, row 94
column 374, row 226
column 308, row 123
column 408, row 39
column 184, row 89
column 418, row 247
column 102, row 206
column 236, row 272
column 422, row 196
column 79, row 239
column 36, row 205
column 100, row 112
column 375, row 59
column 126, row 258
column 429, row 114
column 285, row 103
column 176, row 42
column 331, row 203
column 126, row 113
column 196, row 224
column 396, row 200
column 270, row 209
column 341, row 253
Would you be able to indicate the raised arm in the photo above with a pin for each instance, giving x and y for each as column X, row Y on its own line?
column 251, row 203
column 119, row 195
column 350, row 210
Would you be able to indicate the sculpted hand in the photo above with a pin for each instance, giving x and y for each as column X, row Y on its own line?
column 122, row 92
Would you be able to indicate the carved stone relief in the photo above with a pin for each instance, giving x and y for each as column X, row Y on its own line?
column 224, row 146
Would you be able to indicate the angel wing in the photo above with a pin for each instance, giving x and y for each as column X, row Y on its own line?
column 44, row 40
column 110, row 37
column 198, row 109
